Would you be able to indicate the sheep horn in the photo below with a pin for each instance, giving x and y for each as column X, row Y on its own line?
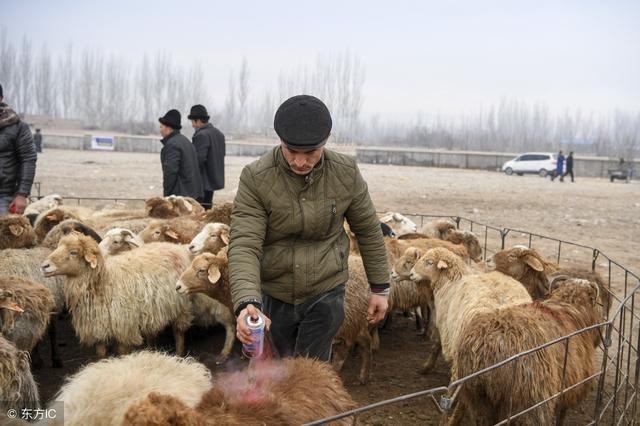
column 555, row 279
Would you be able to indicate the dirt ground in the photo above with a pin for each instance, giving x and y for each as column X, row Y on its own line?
column 591, row 212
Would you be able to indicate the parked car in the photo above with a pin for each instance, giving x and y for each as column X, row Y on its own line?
column 542, row 163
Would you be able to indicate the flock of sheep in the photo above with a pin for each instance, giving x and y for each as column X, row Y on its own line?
column 124, row 275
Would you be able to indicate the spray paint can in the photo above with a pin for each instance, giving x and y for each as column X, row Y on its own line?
column 254, row 349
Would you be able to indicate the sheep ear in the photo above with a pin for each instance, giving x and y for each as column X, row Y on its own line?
column 51, row 217
column 442, row 264
column 172, row 234
column 397, row 217
column 417, row 254
column 129, row 238
column 225, row 238
column 187, row 205
column 91, row 259
column 16, row 230
column 534, row 263
column 214, row 274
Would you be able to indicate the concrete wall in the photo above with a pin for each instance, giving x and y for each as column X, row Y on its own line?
column 583, row 166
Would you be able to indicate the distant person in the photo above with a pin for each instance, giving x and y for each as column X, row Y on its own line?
column 37, row 140
column 210, row 148
column 559, row 166
column 17, row 160
column 569, row 168
column 180, row 175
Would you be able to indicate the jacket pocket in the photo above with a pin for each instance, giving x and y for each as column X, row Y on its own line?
column 275, row 261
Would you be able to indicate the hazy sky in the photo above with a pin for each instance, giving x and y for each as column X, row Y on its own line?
column 420, row 56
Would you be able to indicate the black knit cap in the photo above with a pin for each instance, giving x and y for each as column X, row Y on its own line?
column 303, row 122
column 172, row 119
column 198, row 112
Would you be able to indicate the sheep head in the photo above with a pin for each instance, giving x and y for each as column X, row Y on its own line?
column 185, row 206
column 467, row 239
column 576, row 291
column 119, row 240
column 16, row 232
column 160, row 231
column 518, row 261
column 47, row 220
column 160, row 207
column 205, row 274
column 438, row 266
column 399, row 223
column 405, row 263
column 75, row 254
column 212, row 238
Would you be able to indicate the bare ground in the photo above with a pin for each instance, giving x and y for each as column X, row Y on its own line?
column 591, row 212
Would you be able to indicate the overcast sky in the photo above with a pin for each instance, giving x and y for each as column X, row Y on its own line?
column 420, row 57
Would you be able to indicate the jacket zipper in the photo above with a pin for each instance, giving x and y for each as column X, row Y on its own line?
column 334, row 211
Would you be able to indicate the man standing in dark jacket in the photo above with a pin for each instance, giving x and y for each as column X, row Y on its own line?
column 568, row 168
column 210, row 148
column 37, row 140
column 17, row 160
column 180, row 175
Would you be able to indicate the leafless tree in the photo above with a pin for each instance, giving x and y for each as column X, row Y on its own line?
column 45, row 85
column 24, row 74
column 66, row 76
column 8, row 67
column 243, row 95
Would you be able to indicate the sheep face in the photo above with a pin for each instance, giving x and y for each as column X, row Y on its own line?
column 119, row 240
column 405, row 263
column 160, row 207
column 50, row 219
column 16, row 232
column 399, row 223
column 436, row 265
column 74, row 254
column 517, row 261
column 159, row 231
column 211, row 239
column 203, row 275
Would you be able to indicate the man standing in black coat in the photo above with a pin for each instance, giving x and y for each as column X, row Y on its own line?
column 37, row 140
column 180, row 175
column 569, row 168
column 210, row 147
column 17, row 161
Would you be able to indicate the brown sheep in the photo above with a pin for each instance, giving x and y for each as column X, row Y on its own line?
column 291, row 391
column 64, row 228
column 18, row 390
column 16, row 232
column 534, row 272
column 438, row 228
column 179, row 230
column 47, row 220
column 396, row 248
column 185, row 206
column 494, row 336
column 172, row 206
column 27, row 328
column 218, row 214
column 467, row 239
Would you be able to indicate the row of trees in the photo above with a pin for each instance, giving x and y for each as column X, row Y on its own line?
column 108, row 91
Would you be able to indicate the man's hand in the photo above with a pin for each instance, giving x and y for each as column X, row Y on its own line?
column 377, row 308
column 18, row 204
column 243, row 332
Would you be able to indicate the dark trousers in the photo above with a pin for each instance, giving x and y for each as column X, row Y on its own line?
column 206, row 200
column 568, row 172
column 306, row 329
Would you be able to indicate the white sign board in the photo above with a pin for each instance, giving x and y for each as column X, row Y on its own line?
column 103, row 143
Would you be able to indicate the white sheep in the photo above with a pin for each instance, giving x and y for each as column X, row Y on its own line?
column 121, row 298
column 212, row 238
column 399, row 223
column 45, row 203
column 119, row 240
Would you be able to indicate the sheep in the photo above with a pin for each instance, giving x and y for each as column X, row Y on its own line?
column 396, row 248
column 100, row 393
column 18, row 390
column 179, row 230
column 467, row 239
column 45, row 203
column 291, row 391
column 172, row 206
column 498, row 334
column 185, row 206
column 406, row 294
column 438, row 228
column 534, row 272
column 16, row 232
column 63, row 228
column 119, row 240
column 399, row 223
column 218, row 214
column 27, row 328
column 354, row 248
column 50, row 218
column 121, row 298
column 460, row 294
column 212, row 238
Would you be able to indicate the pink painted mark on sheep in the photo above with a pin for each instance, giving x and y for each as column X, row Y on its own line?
column 253, row 385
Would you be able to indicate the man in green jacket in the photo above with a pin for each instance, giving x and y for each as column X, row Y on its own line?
column 288, row 257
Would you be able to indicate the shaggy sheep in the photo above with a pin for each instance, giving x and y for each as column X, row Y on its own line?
column 116, row 383
column 498, row 334
column 292, row 391
column 438, row 228
column 50, row 218
column 396, row 248
column 119, row 240
column 16, row 232
column 172, row 206
column 180, row 230
column 218, row 214
column 534, row 272
column 121, row 298
column 459, row 294
column 212, row 238
column 399, row 223
column 185, row 206
column 64, row 228
column 27, row 328
column 45, row 203
column 467, row 239
column 18, row 390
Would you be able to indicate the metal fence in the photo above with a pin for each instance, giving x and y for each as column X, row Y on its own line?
column 615, row 382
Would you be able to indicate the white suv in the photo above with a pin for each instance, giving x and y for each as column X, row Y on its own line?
column 542, row 163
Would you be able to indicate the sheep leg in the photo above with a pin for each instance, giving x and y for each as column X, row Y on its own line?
column 456, row 417
column 56, row 359
column 178, row 336
column 364, row 341
column 340, row 351
column 229, row 338
column 101, row 350
column 122, row 349
column 436, row 348
column 419, row 320
column 375, row 338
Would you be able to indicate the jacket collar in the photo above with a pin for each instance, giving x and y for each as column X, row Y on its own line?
column 169, row 136
column 7, row 116
column 204, row 126
column 314, row 174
